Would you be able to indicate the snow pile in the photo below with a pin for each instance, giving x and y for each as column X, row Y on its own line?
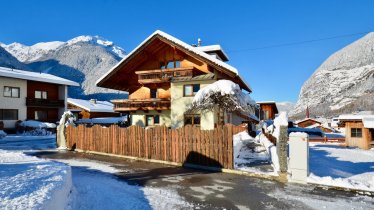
column 2, row 134
column 224, row 94
column 250, row 154
column 36, row 132
column 31, row 183
column 341, row 167
column 279, row 121
column 270, row 149
column 37, row 124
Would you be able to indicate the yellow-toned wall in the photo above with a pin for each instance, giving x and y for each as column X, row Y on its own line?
column 180, row 104
column 138, row 118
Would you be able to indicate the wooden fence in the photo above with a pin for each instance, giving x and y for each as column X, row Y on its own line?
column 188, row 144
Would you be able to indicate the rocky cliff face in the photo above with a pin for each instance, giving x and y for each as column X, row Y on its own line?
column 343, row 83
column 83, row 59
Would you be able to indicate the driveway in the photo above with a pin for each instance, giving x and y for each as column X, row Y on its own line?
column 215, row 190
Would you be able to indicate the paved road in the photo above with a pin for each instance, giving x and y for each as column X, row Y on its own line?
column 213, row 190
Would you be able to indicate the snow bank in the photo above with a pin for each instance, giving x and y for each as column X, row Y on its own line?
column 37, row 124
column 28, row 182
column 341, row 167
column 2, row 134
column 271, row 150
column 281, row 120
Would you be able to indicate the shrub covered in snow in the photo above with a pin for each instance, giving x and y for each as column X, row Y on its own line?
column 67, row 119
column 2, row 134
column 224, row 94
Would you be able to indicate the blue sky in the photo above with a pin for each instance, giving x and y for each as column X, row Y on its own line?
column 274, row 73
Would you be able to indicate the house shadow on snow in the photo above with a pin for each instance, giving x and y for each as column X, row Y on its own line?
column 163, row 172
column 322, row 164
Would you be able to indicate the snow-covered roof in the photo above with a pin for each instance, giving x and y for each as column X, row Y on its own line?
column 181, row 44
column 213, row 48
column 99, row 106
column 103, row 120
column 265, row 102
column 367, row 120
column 306, row 119
column 35, row 76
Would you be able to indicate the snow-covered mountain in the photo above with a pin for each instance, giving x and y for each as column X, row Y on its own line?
column 343, row 83
column 8, row 60
column 285, row 106
column 82, row 59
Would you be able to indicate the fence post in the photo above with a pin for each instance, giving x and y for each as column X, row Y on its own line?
column 299, row 157
column 282, row 148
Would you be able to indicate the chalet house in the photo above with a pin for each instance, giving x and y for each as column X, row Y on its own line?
column 28, row 95
column 87, row 109
column 359, row 130
column 163, row 74
column 308, row 123
column 267, row 110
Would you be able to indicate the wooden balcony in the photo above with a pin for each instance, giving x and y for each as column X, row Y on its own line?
column 141, row 104
column 163, row 75
column 48, row 103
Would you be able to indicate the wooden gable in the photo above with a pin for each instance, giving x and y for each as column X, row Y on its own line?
column 149, row 56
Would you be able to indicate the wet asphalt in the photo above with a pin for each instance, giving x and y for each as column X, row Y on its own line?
column 216, row 190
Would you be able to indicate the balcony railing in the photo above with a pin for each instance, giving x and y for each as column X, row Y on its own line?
column 36, row 102
column 141, row 104
column 163, row 75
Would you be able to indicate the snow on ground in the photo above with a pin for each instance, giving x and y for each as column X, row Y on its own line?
column 342, row 167
column 251, row 155
column 95, row 185
column 28, row 182
column 21, row 142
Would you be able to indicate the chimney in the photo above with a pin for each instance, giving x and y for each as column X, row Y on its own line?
column 93, row 101
column 199, row 42
column 307, row 112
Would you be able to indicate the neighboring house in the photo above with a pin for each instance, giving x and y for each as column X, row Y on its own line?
column 28, row 95
column 308, row 123
column 359, row 130
column 87, row 109
column 267, row 110
column 163, row 74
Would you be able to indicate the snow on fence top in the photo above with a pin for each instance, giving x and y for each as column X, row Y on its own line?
column 35, row 76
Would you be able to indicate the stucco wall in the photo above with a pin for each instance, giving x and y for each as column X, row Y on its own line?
column 13, row 103
column 138, row 118
column 180, row 104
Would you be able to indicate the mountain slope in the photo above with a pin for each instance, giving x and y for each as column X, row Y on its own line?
column 285, row 106
column 8, row 60
column 343, row 83
column 83, row 59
